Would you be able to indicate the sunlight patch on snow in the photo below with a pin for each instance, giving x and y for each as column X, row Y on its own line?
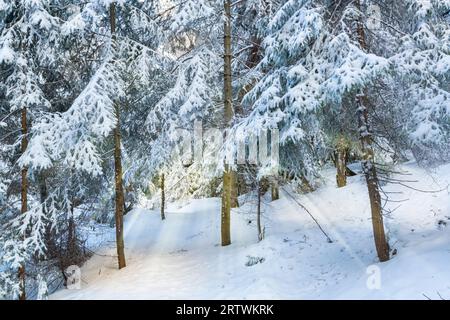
column 181, row 257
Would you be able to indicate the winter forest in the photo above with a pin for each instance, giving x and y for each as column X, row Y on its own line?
column 224, row 149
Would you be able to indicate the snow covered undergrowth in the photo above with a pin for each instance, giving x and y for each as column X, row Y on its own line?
column 180, row 258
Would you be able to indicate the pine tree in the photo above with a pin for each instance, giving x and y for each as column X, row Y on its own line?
column 119, row 198
column 368, row 161
column 74, row 137
column 21, row 50
column 422, row 64
column 286, row 93
column 163, row 197
column 228, row 116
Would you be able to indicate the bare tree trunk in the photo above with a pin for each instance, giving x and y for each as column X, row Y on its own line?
column 370, row 173
column 258, row 212
column 234, row 190
column 119, row 199
column 369, row 168
column 23, row 196
column 226, row 207
column 119, row 196
column 49, row 231
column 275, row 190
column 228, row 115
column 341, row 163
column 71, row 236
column 163, row 197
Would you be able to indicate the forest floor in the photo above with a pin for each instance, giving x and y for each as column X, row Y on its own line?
column 180, row 258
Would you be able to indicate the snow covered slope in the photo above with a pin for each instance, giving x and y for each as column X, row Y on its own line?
column 181, row 258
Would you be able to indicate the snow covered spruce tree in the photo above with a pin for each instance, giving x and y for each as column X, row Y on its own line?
column 285, row 95
column 78, row 136
column 197, row 26
column 423, row 64
column 358, row 72
column 313, row 63
column 199, row 86
column 27, row 41
column 243, row 28
column 45, row 231
column 379, row 66
column 350, row 69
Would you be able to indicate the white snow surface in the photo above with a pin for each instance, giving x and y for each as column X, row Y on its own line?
column 181, row 257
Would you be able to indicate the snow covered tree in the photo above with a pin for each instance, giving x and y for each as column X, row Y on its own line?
column 350, row 70
column 285, row 95
column 26, row 41
column 75, row 136
column 196, row 93
column 101, row 100
column 315, row 62
column 399, row 69
column 423, row 61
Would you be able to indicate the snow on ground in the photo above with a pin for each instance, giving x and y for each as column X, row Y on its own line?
column 180, row 258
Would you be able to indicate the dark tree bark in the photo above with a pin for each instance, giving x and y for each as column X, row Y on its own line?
column 23, row 196
column 71, row 236
column 24, row 173
column 163, row 197
column 49, row 231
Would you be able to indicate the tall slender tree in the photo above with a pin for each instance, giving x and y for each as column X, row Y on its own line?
column 118, row 174
column 23, row 192
column 368, row 164
column 163, row 196
column 228, row 117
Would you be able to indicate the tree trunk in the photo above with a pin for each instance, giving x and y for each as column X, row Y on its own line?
column 119, row 195
column 49, row 231
column 275, row 190
column 370, row 173
column 341, row 163
column 368, row 165
column 24, row 197
column 71, row 237
column 226, row 207
column 24, row 184
column 119, row 199
column 228, row 115
column 163, row 197
column 258, row 212
column 234, row 190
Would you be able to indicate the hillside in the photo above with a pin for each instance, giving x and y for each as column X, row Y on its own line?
column 180, row 258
